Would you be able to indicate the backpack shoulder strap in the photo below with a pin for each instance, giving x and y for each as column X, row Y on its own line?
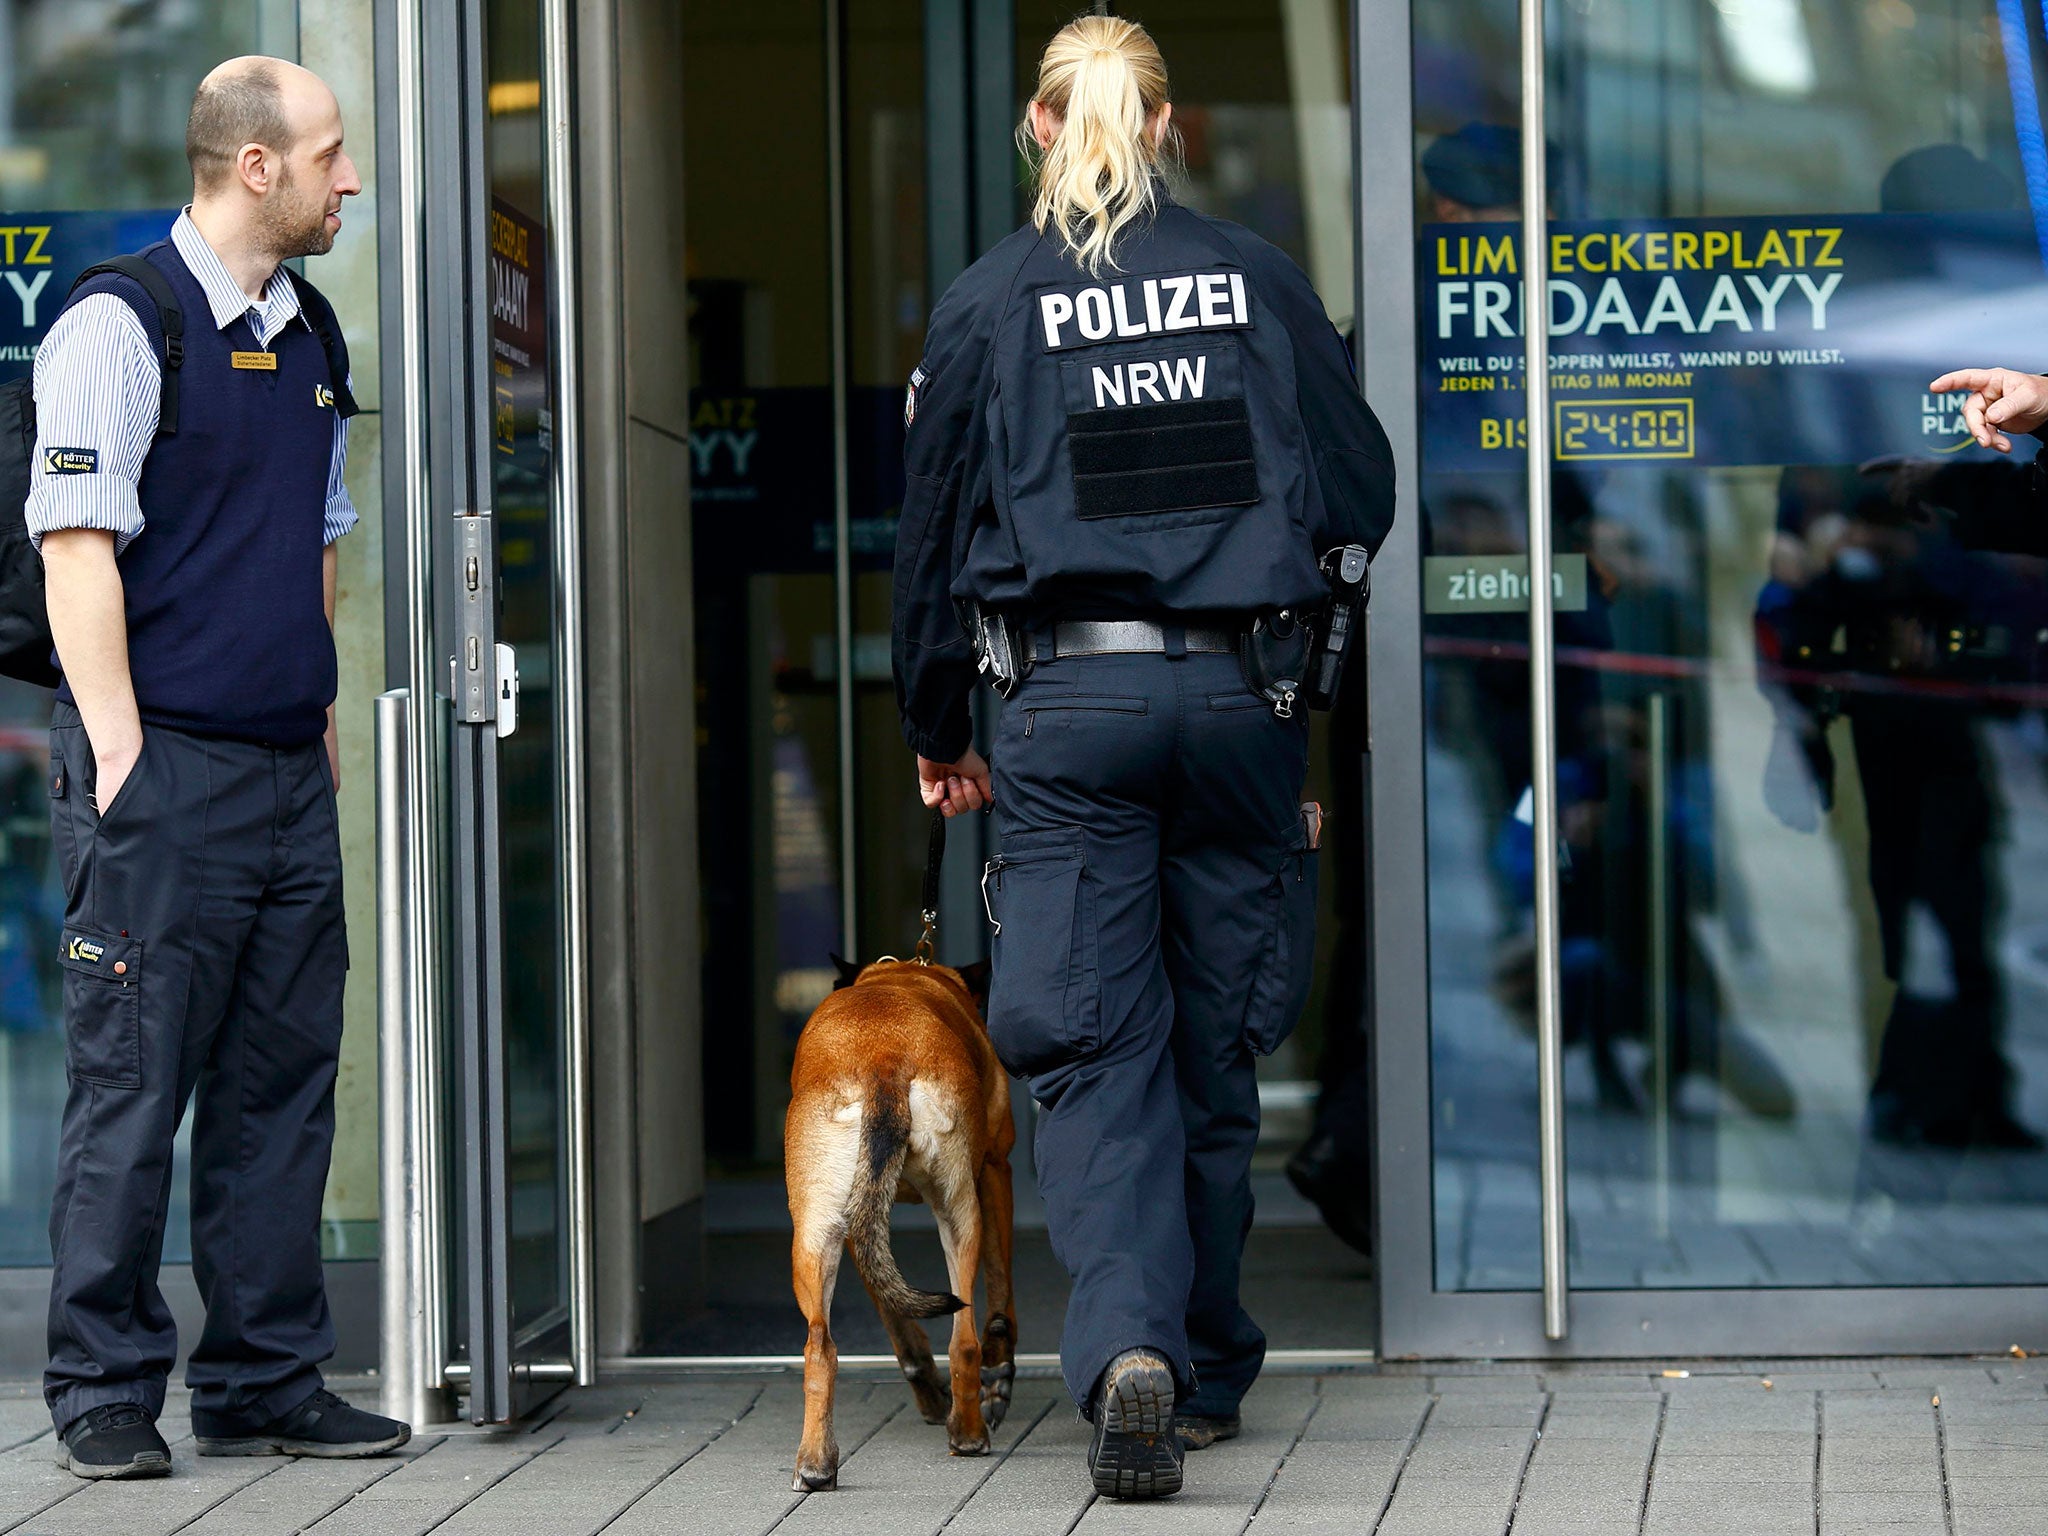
column 320, row 315
column 141, row 271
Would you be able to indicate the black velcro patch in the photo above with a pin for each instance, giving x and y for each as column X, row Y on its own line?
column 71, row 461
column 1179, row 457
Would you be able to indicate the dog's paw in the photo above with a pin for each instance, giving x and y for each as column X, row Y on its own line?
column 996, row 1381
column 934, row 1395
column 975, row 1447
column 814, row 1480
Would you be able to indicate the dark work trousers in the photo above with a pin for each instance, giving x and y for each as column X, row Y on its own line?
column 1156, row 903
column 203, row 952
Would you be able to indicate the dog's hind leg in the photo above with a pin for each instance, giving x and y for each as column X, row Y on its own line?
column 821, row 1148
column 815, row 1264
column 999, row 1339
column 914, row 1353
column 960, row 1232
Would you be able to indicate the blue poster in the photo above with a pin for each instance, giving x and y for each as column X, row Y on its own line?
column 1785, row 340
column 41, row 255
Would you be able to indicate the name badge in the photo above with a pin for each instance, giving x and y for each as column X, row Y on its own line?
column 262, row 362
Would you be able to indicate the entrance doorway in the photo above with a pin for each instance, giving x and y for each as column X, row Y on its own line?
column 891, row 137
column 1770, row 936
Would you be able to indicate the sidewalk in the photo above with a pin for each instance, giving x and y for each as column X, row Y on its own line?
column 1907, row 1448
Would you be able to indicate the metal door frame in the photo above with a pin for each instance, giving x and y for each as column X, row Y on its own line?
column 443, row 472
column 1416, row 1319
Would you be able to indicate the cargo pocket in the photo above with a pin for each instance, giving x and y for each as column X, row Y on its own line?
column 102, row 1008
column 1280, row 990
column 1044, row 1004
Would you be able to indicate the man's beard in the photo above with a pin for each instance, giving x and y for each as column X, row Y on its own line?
column 290, row 228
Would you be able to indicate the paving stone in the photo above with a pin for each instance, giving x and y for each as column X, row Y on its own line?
column 1729, row 1510
column 614, row 1445
column 298, row 1494
column 906, row 1483
column 1854, row 1513
column 31, row 1479
column 1458, row 1480
column 21, row 1420
column 1226, row 1482
column 1589, row 1468
column 154, row 1506
column 1564, row 1384
column 1041, row 1488
column 738, row 1485
column 1349, row 1412
column 1329, row 1487
column 433, row 1485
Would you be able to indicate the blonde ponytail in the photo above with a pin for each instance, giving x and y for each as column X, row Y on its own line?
column 1103, row 79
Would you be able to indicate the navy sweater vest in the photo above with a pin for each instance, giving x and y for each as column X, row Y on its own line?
column 227, row 622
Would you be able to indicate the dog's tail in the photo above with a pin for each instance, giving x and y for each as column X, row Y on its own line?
column 884, row 1143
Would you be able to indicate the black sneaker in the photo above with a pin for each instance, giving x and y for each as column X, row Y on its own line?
column 323, row 1425
column 1199, row 1431
column 116, row 1440
column 1135, row 1454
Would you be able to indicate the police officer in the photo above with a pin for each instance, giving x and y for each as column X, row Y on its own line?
column 1133, row 434
column 191, row 581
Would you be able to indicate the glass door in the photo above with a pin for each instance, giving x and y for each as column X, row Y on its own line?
column 506, row 588
column 1797, row 684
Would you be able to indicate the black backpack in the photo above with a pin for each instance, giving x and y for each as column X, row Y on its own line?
column 26, row 648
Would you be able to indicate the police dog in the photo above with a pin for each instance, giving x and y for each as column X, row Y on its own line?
column 897, row 1095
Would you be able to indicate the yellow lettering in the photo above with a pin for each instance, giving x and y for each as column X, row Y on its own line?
column 1737, row 262
column 1798, row 245
column 1489, row 432
column 7, row 233
column 1624, row 253
column 1560, row 253
column 1496, row 256
column 1586, row 245
column 1713, row 246
column 1443, row 258
column 1827, row 256
column 36, row 258
column 1657, row 250
column 1773, row 249
column 1685, row 247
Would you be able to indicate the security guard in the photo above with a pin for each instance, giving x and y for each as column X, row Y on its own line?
column 1133, row 434
column 191, row 577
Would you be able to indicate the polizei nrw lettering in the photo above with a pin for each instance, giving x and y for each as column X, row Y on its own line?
column 1171, row 378
column 1147, row 306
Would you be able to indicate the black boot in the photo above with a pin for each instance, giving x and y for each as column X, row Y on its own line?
column 1136, row 1453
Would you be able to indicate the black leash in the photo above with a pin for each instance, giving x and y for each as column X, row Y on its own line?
column 935, row 856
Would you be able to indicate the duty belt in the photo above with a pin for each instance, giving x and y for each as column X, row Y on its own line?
column 1132, row 637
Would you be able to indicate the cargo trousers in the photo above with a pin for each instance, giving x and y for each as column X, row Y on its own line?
column 1154, row 904
column 203, row 955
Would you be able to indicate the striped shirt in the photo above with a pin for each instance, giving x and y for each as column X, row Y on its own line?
column 99, row 386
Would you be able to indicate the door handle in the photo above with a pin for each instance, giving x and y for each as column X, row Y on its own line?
column 508, row 690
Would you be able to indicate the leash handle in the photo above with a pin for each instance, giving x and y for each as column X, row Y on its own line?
column 934, row 858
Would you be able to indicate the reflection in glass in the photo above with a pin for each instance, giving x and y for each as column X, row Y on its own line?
column 1800, row 740
column 522, row 451
column 90, row 120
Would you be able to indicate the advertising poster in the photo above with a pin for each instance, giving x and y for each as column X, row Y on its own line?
column 41, row 255
column 522, row 428
column 1792, row 340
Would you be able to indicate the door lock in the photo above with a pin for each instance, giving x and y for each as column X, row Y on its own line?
column 508, row 691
